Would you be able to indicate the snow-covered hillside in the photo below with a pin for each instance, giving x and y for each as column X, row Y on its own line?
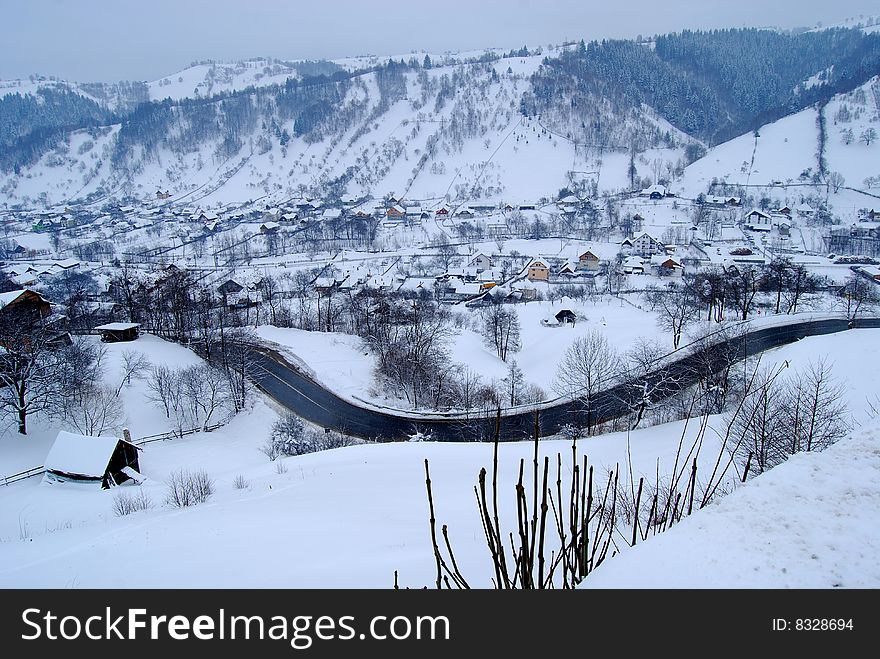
column 786, row 151
column 445, row 134
column 806, row 523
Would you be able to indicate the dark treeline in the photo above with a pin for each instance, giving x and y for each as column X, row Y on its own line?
column 33, row 124
column 30, row 124
column 713, row 85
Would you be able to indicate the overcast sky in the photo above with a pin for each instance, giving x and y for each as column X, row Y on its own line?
column 108, row 40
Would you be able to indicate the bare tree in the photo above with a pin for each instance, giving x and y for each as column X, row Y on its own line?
column 779, row 417
column 646, row 380
column 589, row 365
column 757, row 427
column 93, row 411
column 501, row 330
column 31, row 368
column 206, row 391
column 469, row 384
column 162, row 387
column 743, row 283
column 835, row 180
column 514, row 384
column 676, row 306
column 816, row 409
column 134, row 363
column 859, row 295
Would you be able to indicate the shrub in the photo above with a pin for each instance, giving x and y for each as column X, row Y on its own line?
column 126, row 503
column 240, row 483
column 289, row 436
column 188, row 488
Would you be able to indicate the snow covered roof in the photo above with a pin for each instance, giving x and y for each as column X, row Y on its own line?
column 467, row 288
column 80, row 454
column 117, row 327
column 332, row 213
column 12, row 296
column 654, row 189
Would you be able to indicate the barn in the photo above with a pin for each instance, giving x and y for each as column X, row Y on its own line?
column 106, row 460
column 113, row 332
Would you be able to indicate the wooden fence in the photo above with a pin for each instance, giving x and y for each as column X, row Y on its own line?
column 140, row 441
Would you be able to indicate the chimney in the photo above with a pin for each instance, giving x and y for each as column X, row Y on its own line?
column 126, row 435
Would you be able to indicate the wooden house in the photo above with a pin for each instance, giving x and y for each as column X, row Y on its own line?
column 538, row 271
column 109, row 461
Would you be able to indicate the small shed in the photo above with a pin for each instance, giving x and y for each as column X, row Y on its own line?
column 113, row 332
column 566, row 316
column 106, row 460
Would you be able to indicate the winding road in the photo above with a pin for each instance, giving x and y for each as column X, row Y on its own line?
column 299, row 393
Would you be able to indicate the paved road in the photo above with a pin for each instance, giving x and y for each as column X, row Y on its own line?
column 295, row 391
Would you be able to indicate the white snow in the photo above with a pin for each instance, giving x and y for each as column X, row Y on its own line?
column 352, row 516
column 808, row 523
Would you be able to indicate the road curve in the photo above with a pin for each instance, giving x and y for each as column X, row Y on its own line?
column 297, row 392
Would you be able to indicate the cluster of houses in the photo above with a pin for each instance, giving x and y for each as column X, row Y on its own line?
column 780, row 219
column 29, row 274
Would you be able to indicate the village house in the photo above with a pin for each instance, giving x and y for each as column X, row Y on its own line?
column 806, row 211
column 665, row 266
column 396, row 212
column 23, row 305
column 269, row 228
column 646, row 245
column 757, row 220
column 538, row 271
column 654, row 192
column 162, row 195
column 442, row 212
column 588, row 261
column 229, row 286
column 481, row 262
column 633, row 265
column 872, row 272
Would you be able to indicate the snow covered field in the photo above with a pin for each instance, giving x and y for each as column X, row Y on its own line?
column 350, row 517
